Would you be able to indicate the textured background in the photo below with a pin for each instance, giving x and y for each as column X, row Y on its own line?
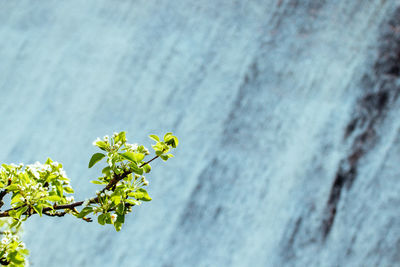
column 287, row 113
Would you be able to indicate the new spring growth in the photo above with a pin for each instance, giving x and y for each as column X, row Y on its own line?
column 45, row 189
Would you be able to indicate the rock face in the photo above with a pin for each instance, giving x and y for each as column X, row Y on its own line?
column 287, row 113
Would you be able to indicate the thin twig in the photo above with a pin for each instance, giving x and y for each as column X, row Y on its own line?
column 147, row 162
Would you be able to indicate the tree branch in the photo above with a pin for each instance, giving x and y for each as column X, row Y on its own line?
column 147, row 162
column 71, row 206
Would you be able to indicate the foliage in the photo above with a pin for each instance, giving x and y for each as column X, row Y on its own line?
column 45, row 189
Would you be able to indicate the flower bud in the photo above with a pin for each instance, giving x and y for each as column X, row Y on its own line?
column 113, row 218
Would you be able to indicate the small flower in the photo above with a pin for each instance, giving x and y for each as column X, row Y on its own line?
column 70, row 199
column 55, row 164
column 63, row 173
column 86, row 202
column 146, row 183
column 113, row 218
column 4, row 240
column 35, row 173
column 132, row 146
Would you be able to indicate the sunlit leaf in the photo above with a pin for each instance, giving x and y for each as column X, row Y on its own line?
column 95, row 158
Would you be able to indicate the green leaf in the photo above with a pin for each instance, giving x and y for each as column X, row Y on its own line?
column 85, row 211
column 97, row 182
column 132, row 202
column 12, row 187
column 154, row 137
column 53, row 198
column 59, row 189
column 140, row 194
column 171, row 140
column 133, row 156
column 121, row 218
column 102, row 219
column 106, row 171
column 21, row 211
column 147, row 168
column 167, row 136
column 136, row 169
column 96, row 158
column 38, row 209
column 24, row 251
column 121, row 137
column 118, row 226
column 120, row 208
column 16, row 223
column 16, row 198
column 69, row 190
column 164, row 157
column 16, row 258
column 116, row 199
column 108, row 218
column 102, row 145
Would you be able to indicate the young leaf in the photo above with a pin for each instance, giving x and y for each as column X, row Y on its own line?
column 16, row 198
column 106, row 171
column 53, row 198
column 85, row 211
column 101, row 219
column 167, row 136
column 102, row 145
column 97, row 182
column 147, row 168
column 95, row 158
column 21, row 211
column 164, row 157
column 38, row 209
column 133, row 156
column 121, row 218
column 154, row 137
column 118, row 226
column 136, row 169
column 121, row 137
column 140, row 194
column 69, row 190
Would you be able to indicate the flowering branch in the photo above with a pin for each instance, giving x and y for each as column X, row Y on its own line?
column 43, row 189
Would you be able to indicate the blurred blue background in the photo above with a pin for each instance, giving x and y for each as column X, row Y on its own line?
column 286, row 112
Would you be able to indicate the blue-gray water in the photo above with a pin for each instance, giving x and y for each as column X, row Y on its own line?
column 287, row 113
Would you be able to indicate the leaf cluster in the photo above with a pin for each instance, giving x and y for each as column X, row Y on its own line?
column 45, row 189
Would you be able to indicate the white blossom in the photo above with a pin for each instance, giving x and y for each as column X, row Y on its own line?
column 86, row 202
column 35, row 173
column 63, row 173
column 95, row 141
column 132, row 146
column 55, row 164
column 113, row 218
